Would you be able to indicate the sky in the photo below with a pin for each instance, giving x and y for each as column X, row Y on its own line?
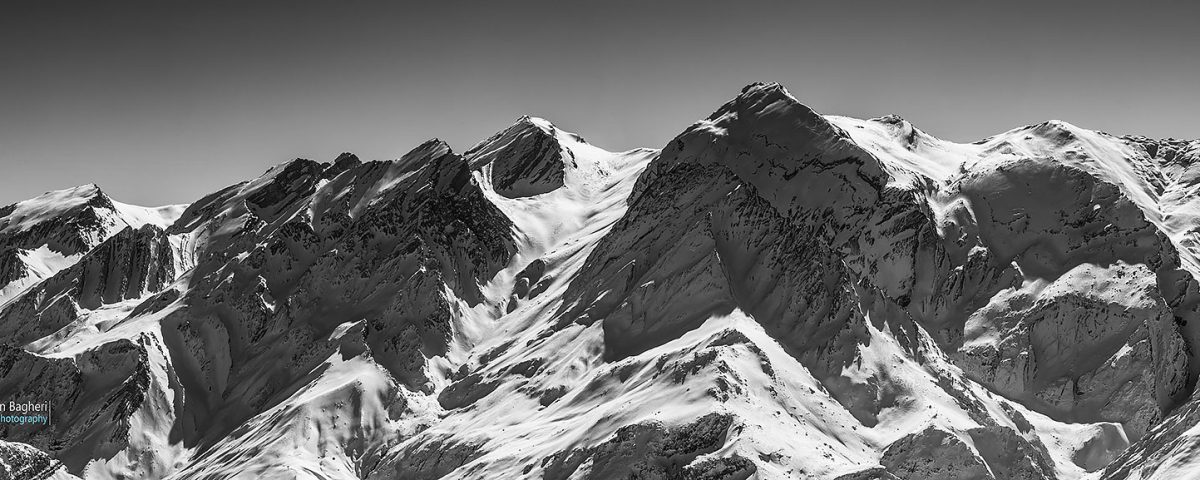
column 163, row 102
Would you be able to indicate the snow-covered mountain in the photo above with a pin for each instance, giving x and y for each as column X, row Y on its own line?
column 774, row 294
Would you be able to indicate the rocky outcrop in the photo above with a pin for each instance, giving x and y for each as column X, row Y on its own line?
column 394, row 245
column 69, row 222
column 1167, row 450
column 129, row 265
column 40, row 236
column 93, row 398
column 12, row 268
column 877, row 473
column 748, row 209
column 985, row 453
column 23, row 462
column 767, row 208
column 934, row 455
column 653, row 451
column 1101, row 341
column 434, row 459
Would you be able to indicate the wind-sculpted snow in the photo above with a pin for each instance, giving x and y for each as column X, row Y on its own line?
column 775, row 294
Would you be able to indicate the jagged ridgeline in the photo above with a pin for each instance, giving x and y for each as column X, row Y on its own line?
column 774, row 294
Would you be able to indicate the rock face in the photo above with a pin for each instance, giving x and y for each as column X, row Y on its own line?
column 524, row 160
column 775, row 294
column 20, row 461
column 67, row 221
column 992, row 453
column 654, row 452
column 127, row 266
column 1085, row 330
column 94, row 399
column 375, row 259
column 934, row 455
column 713, row 226
column 40, row 236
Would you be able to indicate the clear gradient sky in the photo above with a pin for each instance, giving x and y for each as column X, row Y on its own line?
column 162, row 102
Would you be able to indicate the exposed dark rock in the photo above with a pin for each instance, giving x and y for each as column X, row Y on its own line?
column 651, row 450
column 524, row 160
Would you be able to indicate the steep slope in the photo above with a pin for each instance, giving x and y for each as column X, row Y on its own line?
column 869, row 226
column 127, row 266
column 1075, row 211
column 80, row 259
column 387, row 372
column 523, row 160
column 260, row 313
column 43, row 235
column 1168, row 450
column 20, row 461
column 728, row 292
column 767, row 210
column 375, row 258
column 554, row 231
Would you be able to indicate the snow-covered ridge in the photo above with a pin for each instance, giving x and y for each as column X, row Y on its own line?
column 161, row 217
column 44, row 235
column 24, row 215
column 775, row 294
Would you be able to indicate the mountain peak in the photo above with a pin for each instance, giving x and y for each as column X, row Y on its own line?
column 1052, row 128
column 793, row 156
column 764, row 87
column 765, row 92
column 549, row 128
column 766, row 113
column 343, row 162
column 763, row 107
column 525, row 124
column 303, row 166
column 532, row 121
column 85, row 191
column 760, row 96
column 434, row 147
column 427, row 151
column 22, row 215
column 347, row 158
column 66, row 222
column 903, row 130
column 522, row 160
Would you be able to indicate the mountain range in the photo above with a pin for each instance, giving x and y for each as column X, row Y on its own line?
column 773, row 294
